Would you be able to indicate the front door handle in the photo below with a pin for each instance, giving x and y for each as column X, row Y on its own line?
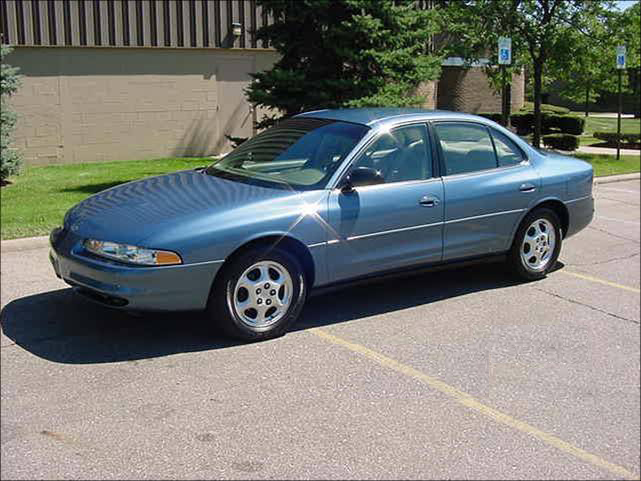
column 527, row 187
column 429, row 201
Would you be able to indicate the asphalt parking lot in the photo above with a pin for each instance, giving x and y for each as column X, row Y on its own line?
column 458, row 374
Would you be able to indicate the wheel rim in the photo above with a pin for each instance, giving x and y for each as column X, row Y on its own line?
column 538, row 245
column 263, row 294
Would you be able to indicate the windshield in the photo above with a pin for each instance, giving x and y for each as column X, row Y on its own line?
column 299, row 153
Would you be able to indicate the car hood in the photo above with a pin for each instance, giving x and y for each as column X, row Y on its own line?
column 132, row 212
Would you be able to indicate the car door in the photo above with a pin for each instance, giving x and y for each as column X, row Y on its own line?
column 487, row 183
column 393, row 224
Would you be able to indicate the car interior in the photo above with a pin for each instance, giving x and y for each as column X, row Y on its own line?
column 398, row 156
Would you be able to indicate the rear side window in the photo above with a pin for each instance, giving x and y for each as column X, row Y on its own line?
column 466, row 147
column 506, row 150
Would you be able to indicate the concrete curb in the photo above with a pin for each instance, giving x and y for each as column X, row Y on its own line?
column 617, row 178
column 29, row 243
column 24, row 244
column 586, row 149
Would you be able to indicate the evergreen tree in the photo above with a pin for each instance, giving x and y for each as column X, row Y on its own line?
column 9, row 83
column 345, row 53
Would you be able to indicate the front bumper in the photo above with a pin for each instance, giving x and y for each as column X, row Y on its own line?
column 166, row 288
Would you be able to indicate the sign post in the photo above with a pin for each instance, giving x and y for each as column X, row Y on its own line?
column 620, row 67
column 505, row 58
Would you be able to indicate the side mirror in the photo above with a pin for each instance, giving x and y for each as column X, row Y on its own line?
column 362, row 176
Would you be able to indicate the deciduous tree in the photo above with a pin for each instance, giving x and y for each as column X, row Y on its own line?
column 538, row 29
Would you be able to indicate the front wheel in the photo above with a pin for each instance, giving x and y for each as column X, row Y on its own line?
column 537, row 245
column 259, row 295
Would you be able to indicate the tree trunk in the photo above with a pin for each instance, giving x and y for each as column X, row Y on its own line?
column 538, row 81
column 587, row 99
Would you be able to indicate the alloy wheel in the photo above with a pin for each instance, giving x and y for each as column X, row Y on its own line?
column 263, row 294
column 538, row 245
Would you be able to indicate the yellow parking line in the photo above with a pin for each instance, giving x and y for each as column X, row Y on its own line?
column 600, row 281
column 472, row 403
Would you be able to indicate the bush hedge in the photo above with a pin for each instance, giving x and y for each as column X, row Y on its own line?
column 493, row 116
column 611, row 137
column 550, row 123
column 567, row 124
column 523, row 122
column 561, row 141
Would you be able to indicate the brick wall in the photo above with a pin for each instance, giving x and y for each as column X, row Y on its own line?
column 468, row 90
column 99, row 104
column 96, row 104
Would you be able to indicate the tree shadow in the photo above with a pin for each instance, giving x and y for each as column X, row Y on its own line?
column 60, row 326
column 95, row 188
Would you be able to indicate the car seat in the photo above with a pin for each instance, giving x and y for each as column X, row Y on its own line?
column 410, row 160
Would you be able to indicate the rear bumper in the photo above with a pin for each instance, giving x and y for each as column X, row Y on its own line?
column 167, row 288
column 581, row 213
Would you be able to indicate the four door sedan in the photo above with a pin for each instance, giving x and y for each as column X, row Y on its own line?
column 322, row 198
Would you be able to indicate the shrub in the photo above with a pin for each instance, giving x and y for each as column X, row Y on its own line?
column 523, row 122
column 567, row 124
column 554, row 109
column 493, row 116
column 550, row 123
column 632, row 138
column 611, row 137
column 9, row 83
column 561, row 141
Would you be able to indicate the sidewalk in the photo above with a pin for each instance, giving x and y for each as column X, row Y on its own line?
column 606, row 150
column 610, row 115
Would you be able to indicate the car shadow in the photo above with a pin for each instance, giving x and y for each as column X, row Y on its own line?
column 62, row 327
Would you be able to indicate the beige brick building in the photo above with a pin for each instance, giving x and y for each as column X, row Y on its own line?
column 147, row 79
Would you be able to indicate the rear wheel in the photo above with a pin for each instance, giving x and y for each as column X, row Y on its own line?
column 537, row 245
column 259, row 294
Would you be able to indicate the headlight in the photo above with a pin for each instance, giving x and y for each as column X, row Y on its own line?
column 132, row 254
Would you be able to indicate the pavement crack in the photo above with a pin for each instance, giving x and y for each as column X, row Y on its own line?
column 573, row 301
column 630, row 256
column 613, row 235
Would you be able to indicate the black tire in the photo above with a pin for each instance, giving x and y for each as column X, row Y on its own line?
column 515, row 262
column 220, row 307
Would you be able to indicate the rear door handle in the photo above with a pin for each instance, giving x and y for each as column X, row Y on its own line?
column 527, row 187
column 429, row 201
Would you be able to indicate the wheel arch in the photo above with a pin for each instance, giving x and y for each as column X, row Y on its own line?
column 270, row 241
column 559, row 208
column 555, row 205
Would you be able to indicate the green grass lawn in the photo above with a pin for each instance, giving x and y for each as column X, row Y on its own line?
column 608, row 165
column 37, row 200
column 607, row 124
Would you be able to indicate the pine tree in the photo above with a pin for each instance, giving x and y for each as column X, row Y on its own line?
column 9, row 83
column 345, row 53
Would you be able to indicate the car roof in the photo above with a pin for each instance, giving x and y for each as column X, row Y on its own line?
column 382, row 115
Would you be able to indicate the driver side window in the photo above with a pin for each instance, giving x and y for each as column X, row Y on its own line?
column 400, row 155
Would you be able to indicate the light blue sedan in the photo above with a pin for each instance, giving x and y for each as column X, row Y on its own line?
column 323, row 198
